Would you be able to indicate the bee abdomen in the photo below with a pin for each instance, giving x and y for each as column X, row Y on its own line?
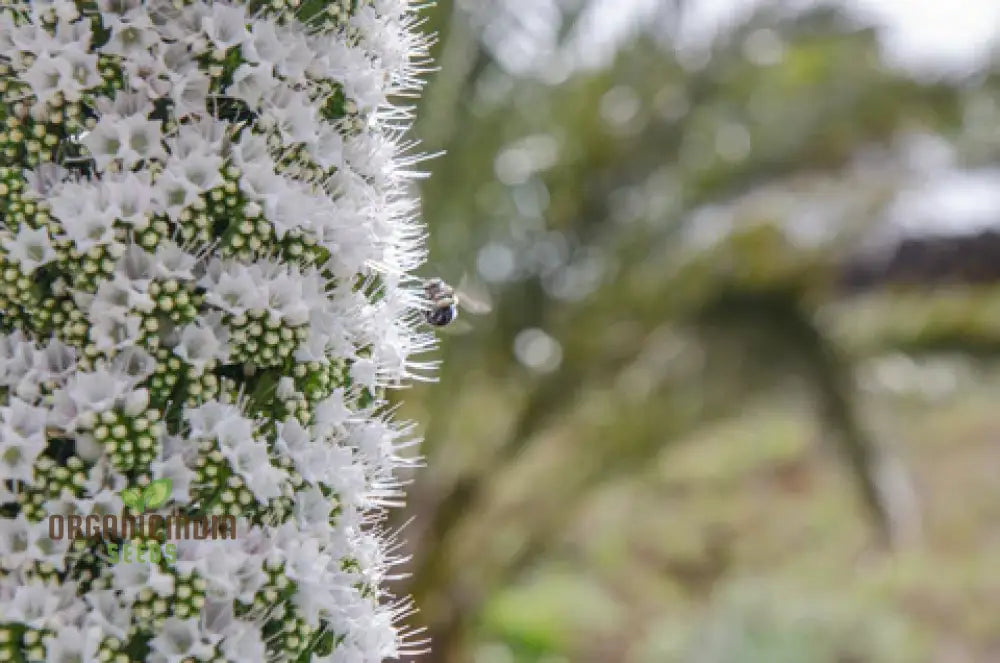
column 440, row 316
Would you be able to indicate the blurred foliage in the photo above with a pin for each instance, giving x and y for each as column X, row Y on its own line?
column 676, row 227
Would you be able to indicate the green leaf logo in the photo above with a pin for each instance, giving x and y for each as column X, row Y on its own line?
column 132, row 498
column 157, row 493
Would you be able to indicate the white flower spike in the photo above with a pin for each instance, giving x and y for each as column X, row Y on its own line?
column 206, row 257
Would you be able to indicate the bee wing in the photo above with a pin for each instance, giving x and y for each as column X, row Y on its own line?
column 473, row 296
column 457, row 327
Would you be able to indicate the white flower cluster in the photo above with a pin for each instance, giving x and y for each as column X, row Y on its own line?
column 206, row 248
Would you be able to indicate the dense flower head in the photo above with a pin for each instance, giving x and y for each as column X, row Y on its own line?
column 206, row 255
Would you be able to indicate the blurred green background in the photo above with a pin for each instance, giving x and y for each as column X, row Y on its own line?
column 736, row 400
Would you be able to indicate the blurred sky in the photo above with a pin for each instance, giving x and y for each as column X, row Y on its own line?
column 925, row 37
column 920, row 35
column 935, row 33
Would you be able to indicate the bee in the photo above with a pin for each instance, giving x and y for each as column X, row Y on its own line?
column 443, row 301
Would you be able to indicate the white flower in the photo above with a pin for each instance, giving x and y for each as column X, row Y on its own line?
column 130, row 578
column 314, row 600
column 72, row 645
column 172, row 262
column 183, row 25
column 204, row 136
column 126, row 103
column 137, row 267
column 243, row 642
column 363, row 85
column 186, row 85
column 54, row 362
column 177, row 640
column 261, row 183
column 293, row 114
column 18, row 370
column 331, row 413
column 133, row 365
column 31, row 248
column 130, row 199
column 199, row 171
column 203, row 341
column 140, row 139
column 363, row 373
column 314, row 461
column 250, row 459
column 83, row 74
column 62, row 63
column 298, row 56
column 312, row 509
column 118, row 295
column 189, row 92
column 108, row 613
column 15, row 536
column 199, row 178
column 226, row 26
column 327, row 334
column 328, row 149
column 144, row 72
column 286, row 300
column 35, row 604
column 213, row 418
column 71, row 36
column 251, row 83
column 174, row 193
column 347, row 477
column 232, row 288
column 129, row 37
column 234, row 575
column 104, row 141
column 135, row 402
column 286, row 388
column 105, row 487
column 250, row 150
column 22, row 429
column 265, row 46
column 304, row 560
column 48, row 76
column 181, row 476
column 92, row 227
column 42, row 180
column 84, row 395
column 67, row 198
column 113, row 329
column 65, row 10
column 217, row 617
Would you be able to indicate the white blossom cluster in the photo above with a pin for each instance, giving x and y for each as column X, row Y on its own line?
column 206, row 256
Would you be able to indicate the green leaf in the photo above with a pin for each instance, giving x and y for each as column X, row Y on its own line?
column 132, row 498
column 157, row 493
